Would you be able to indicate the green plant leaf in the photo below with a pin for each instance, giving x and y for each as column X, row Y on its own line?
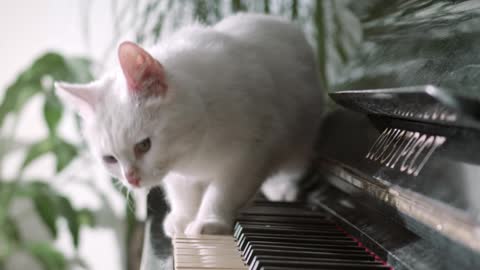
column 52, row 113
column 238, row 5
column 131, row 219
column 36, row 150
column 39, row 78
column 70, row 215
column 64, row 153
column 86, row 217
column 9, row 238
column 46, row 204
column 201, row 10
column 48, row 256
column 6, row 246
column 266, row 6
column 50, row 206
column 24, row 189
column 294, row 9
column 11, row 229
column 321, row 35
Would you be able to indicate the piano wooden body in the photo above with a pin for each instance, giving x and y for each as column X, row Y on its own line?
column 398, row 164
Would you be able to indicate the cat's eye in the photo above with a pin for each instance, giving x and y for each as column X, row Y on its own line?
column 142, row 147
column 109, row 159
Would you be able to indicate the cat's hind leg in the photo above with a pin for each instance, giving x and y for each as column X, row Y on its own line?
column 282, row 186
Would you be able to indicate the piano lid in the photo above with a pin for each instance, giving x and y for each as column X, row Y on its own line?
column 426, row 103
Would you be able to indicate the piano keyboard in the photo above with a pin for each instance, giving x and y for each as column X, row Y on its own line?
column 276, row 236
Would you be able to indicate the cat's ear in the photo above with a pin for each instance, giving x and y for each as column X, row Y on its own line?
column 82, row 98
column 144, row 74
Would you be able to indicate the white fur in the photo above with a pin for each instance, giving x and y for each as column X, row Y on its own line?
column 243, row 105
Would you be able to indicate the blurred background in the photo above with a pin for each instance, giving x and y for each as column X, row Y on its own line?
column 58, row 209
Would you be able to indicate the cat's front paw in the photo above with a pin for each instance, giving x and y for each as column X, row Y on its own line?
column 209, row 226
column 174, row 224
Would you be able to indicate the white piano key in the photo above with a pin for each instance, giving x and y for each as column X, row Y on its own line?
column 214, row 252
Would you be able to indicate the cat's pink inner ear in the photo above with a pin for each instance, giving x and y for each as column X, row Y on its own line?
column 144, row 75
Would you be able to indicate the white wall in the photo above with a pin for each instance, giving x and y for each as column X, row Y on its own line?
column 30, row 27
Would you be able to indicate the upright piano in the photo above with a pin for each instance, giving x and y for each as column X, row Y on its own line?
column 396, row 180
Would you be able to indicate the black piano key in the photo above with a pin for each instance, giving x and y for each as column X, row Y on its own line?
column 294, row 263
column 280, row 205
column 326, row 267
column 298, row 237
column 307, row 222
column 287, row 230
column 309, row 255
column 292, row 225
column 270, row 211
column 281, row 231
column 266, row 257
column 293, row 238
column 245, row 227
column 318, row 235
column 279, row 245
column 290, row 213
column 288, row 221
column 280, row 224
column 253, row 247
column 245, row 240
column 239, row 227
column 288, row 227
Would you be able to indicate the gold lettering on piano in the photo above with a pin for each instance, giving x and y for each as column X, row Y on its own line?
column 407, row 151
column 433, row 113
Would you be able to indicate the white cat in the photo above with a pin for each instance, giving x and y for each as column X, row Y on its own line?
column 220, row 109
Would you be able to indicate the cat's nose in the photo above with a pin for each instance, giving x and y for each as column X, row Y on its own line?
column 132, row 177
